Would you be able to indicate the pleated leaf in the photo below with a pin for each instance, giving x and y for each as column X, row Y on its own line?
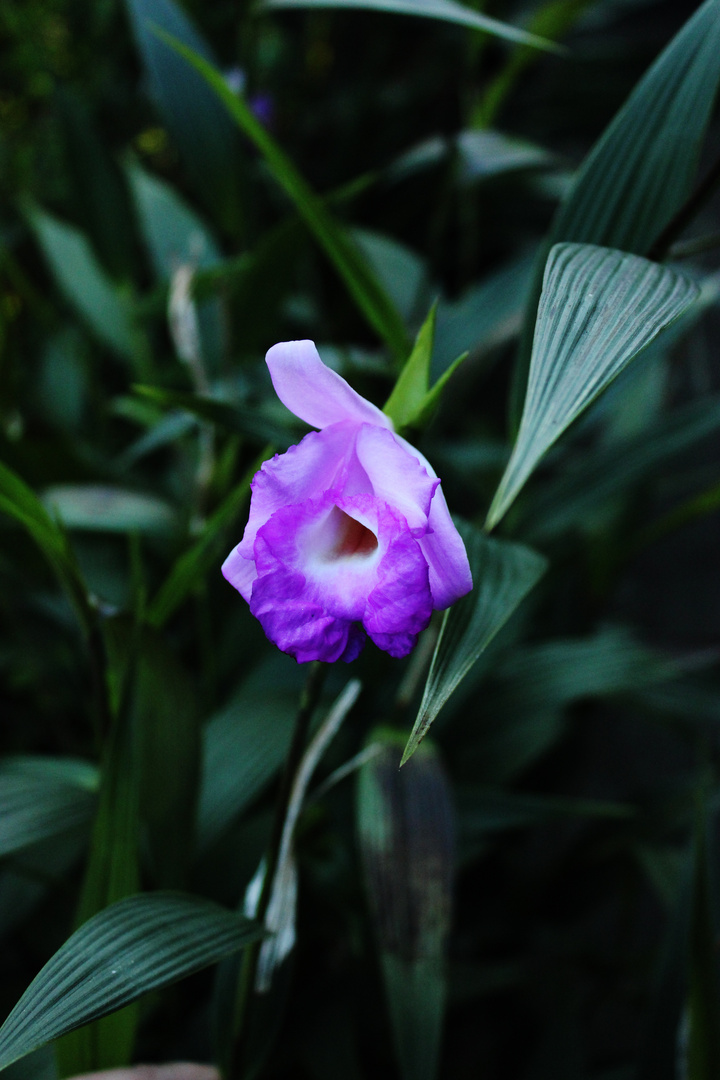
column 641, row 171
column 406, row 838
column 598, row 309
column 141, row 943
column 445, row 10
column 503, row 574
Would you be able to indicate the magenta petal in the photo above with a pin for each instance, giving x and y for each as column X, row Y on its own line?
column 296, row 625
column 314, row 392
column 400, row 605
column 397, row 477
column 450, row 576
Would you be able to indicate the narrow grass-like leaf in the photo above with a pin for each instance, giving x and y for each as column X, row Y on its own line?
column 141, row 943
column 19, row 502
column 338, row 245
column 503, row 574
column 413, row 399
column 406, row 836
column 598, row 309
column 85, row 284
column 641, row 170
column 197, row 122
column 235, row 418
column 42, row 798
column 490, row 810
column 445, row 10
column 192, row 566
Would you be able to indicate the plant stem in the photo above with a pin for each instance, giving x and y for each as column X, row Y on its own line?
column 308, row 703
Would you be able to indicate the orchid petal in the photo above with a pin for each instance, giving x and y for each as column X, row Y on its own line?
column 447, row 560
column 397, row 477
column 315, row 393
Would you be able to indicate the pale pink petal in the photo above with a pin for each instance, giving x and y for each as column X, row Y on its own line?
column 313, row 391
column 240, row 572
column 397, row 477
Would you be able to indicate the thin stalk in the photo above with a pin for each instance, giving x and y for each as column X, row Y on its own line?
column 308, row 703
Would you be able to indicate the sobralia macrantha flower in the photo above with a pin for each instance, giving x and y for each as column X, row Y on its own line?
column 349, row 533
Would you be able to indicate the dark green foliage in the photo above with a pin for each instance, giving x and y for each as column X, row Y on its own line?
column 533, row 895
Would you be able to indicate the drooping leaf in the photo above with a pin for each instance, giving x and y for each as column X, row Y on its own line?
column 362, row 283
column 641, row 170
column 503, row 574
column 598, row 309
column 400, row 270
column 42, row 798
column 102, row 508
column 141, row 943
column 446, row 10
column 86, row 285
column 482, row 154
column 413, row 399
column 406, row 836
column 197, row 122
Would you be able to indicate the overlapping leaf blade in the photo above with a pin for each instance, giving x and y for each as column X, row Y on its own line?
column 446, row 10
column 503, row 575
column 369, row 294
column 42, row 798
column 598, row 309
column 139, row 944
column 641, row 170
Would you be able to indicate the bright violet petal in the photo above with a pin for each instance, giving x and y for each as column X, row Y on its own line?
column 401, row 603
column 313, row 391
column 442, row 546
column 450, row 576
column 397, row 477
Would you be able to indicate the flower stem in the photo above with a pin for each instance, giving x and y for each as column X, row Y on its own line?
column 308, row 703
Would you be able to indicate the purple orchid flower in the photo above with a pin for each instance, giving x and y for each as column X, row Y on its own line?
column 349, row 533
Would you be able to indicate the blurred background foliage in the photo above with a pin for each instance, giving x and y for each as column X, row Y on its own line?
column 568, row 799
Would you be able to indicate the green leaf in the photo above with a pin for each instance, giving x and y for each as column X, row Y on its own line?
column 173, row 233
column 192, row 566
column 503, row 574
column 244, row 746
column 101, row 508
column 412, row 399
column 195, row 119
column 703, row 1037
column 19, row 502
column 86, row 285
column 598, row 309
column 446, row 10
column 339, row 246
column 141, row 943
column 235, row 418
column 406, row 838
column 42, row 798
column 641, row 170
column 567, row 500
column 490, row 810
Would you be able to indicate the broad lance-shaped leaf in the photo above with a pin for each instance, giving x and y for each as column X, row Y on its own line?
column 598, row 309
column 199, row 125
column 406, row 837
column 445, row 10
column 503, row 574
column 641, row 170
column 413, row 399
column 343, row 252
column 141, row 943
